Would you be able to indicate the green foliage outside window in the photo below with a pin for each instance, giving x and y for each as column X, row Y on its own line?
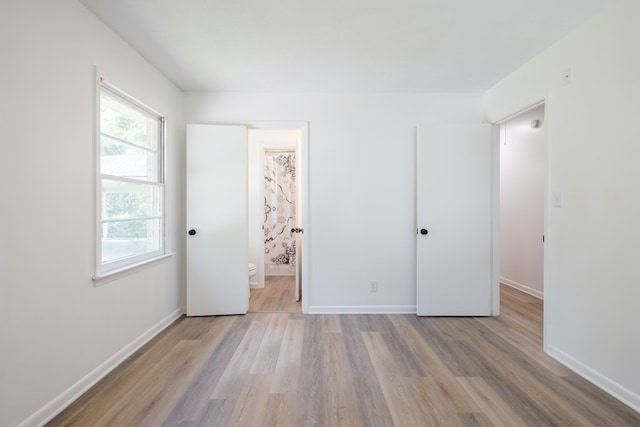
column 126, row 205
column 127, row 230
column 132, row 129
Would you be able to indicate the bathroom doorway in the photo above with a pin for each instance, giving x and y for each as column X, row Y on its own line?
column 275, row 221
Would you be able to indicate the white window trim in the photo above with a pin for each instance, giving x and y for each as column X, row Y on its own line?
column 118, row 268
column 110, row 276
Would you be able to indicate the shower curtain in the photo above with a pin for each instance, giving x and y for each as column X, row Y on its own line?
column 280, row 209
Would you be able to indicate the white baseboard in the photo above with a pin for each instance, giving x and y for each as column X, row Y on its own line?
column 613, row 388
column 278, row 270
column 362, row 309
column 524, row 288
column 54, row 407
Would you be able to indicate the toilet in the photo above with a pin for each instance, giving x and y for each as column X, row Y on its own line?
column 252, row 270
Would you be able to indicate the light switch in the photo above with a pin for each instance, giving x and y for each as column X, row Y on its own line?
column 556, row 199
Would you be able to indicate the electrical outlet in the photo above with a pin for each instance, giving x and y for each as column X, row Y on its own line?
column 373, row 286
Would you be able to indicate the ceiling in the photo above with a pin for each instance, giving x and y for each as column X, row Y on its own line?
column 341, row 45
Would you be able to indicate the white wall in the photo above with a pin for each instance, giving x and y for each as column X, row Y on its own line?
column 522, row 202
column 56, row 327
column 362, row 184
column 592, row 283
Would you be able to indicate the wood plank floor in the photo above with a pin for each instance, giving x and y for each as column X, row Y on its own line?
column 278, row 295
column 290, row 369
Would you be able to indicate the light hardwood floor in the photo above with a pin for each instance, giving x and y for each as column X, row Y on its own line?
column 278, row 295
column 290, row 369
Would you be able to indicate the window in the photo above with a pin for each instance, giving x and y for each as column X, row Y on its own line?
column 131, row 179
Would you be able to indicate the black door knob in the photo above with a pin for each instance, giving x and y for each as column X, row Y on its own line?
column 424, row 231
column 192, row 232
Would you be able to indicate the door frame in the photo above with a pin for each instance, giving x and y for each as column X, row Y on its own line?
column 546, row 288
column 303, row 163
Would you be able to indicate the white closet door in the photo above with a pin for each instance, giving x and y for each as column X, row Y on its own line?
column 217, row 274
column 454, row 216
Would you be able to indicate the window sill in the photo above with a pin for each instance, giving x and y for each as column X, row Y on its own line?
column 109, row 276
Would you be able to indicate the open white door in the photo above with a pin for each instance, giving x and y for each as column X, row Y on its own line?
column 217, row 275
column 299, row 219
column 299, row 237
column 454, row 220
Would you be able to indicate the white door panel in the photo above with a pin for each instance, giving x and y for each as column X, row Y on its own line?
column 217, row 275
column 454, row 205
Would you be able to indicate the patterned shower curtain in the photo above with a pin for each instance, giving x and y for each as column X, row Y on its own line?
column 280, row 208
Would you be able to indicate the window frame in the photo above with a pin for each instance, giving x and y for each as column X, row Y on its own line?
column 116, row 267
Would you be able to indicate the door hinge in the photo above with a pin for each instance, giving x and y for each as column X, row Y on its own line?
column 297, row 230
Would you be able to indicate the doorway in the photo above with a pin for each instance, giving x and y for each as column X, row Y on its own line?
column 275, row 218
column 522, row 195
column 217, row 279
